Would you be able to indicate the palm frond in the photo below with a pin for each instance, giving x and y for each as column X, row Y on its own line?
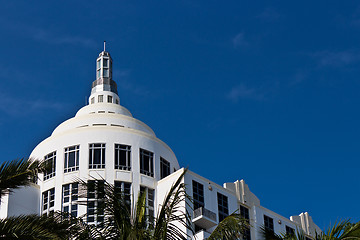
column 17, row 173
column 232, row 227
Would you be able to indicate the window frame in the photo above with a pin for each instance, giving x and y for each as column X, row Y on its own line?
column 92, row 148
column 95, row 201
column 150, row 164
column 164, row 168
column 198, row 195
column 117, row 157
column 67, row 152
column 223, row 206
column 268, row 222
column 50, row 163
column 72, row 194
column 48, row 201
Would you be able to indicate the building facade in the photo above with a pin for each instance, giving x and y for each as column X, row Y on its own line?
column 104, row 141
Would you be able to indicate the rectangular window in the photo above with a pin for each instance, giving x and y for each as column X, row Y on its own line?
column 50, row 163
column 100, row 98
column 149, row 200
column 290, row 231
column 105, row 62
column 69, row 197
column 244, row 212
column 123, row 189
column 98, row 64
column 92, row 100
column 117, row 101
column 98, row 73
column 164, row 168
column 198, row 195
column 96, row 155
column 71, row 159
column 48, row 201
column 223, row 206
column 269, row 222
column 122, row 157
column 146, row 162
column 95, row 202
column 110, row 99
column 106, row 72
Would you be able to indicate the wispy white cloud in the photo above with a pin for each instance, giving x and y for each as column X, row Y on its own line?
column 239, row 40
column 243, row 92
column 269, row 14
column 17, row 107
column 43, row 35
column 336, row 58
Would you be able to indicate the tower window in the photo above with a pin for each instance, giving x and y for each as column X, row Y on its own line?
column 198, row 195
column 92, row 100
column 96, row 155
column 95, row 201
column 98, row 73
column 71, row 159
column 98, row 65
column 106, row 72
column 146, row 162
column 223, row 206
column 164, row 168
column 122, row 157
column 269, row 223
column 106, row 62
column 50, row 164
column 116, row 101
column 48, row 201
column 69, row 198
column 110, row 99
column 100, row 98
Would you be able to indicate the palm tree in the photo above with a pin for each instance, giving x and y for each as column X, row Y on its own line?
column 22, row 172
column 172, row 222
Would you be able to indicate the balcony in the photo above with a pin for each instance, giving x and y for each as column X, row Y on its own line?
column 204, row 218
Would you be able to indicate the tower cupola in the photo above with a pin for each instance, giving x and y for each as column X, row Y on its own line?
column 104, row 84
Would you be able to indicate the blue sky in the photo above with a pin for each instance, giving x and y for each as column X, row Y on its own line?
column 262, row 91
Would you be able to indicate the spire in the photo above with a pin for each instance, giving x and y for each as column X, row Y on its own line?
column 104, row 73
column 104, row 85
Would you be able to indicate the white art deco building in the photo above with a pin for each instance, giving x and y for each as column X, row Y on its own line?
column 104, row 141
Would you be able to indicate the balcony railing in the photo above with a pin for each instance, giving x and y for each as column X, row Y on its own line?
column 204, row 218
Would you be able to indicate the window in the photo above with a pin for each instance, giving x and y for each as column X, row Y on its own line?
column 95, row 206
column 69, row 197
column 96, row 155
column 164, row 168
column 50, row 163
column 110, row 98
column 124, row 190
column 223, row 206
column 146, row 163
column 92, row 100
column 117, row 101
column 105, row 62
column 71, row 159
column 122, row 157
column 244, row 212
column 98, row 73
column 100, row 98
column 290, row 231
column 48, row 201
column 106, row 72
column 198, row 195
column 149, row 200
column 269, row 222
column 98, row 64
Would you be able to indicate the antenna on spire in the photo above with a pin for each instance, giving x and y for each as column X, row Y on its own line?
column 104, row 45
